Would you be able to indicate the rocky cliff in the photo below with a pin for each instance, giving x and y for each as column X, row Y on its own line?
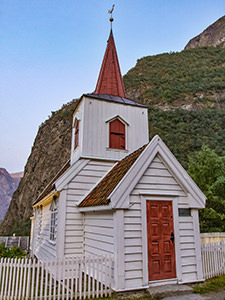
column 214, row 35
column 50, row 151
column 8, row 185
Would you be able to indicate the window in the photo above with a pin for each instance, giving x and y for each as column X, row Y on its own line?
column 184, row 212
column 39, row 221
column 53, row 224
column 76, row 135
column 116, row 134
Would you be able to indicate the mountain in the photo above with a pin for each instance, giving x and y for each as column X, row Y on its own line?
column 50, row 151
column 8, row 185
column 185, row 93
column 193, row 79
column 214, row 35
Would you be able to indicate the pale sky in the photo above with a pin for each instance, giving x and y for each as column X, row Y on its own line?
column 51, row 52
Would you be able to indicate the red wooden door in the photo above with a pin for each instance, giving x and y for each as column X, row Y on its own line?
column 161, row 250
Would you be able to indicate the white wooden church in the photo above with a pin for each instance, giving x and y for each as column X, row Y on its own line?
column 121, row 194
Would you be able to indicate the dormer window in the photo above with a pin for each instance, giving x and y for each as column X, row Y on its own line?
column 117, row 134
column 76, row 134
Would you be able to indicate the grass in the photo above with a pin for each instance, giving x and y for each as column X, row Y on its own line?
column 210, row 285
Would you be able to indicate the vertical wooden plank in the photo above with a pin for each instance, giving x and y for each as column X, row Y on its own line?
column 89, row 276
column 1, row 268
column 85, row 277
column 7, row 277
column 63, row 276
column 110, row 275
column 33, row 278
column 3, row 261
column 17, row 277
column 105, row 274
column 72, row 277
column 10, row 276
column 37, row 279
column 46, row 265
column 24, row 278
column 93, row 277
column 80, row 277
column 55, row 279
column 76, row 277
column 42, row 279
column 68, row 277
column 59, row 264
column 13, row 277
column 97, row 277
column 101, row 282
column 28, row 279
column 21, row 277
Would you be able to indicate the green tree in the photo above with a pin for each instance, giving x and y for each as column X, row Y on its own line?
column 208, row 171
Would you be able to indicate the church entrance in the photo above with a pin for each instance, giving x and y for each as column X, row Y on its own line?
column 161, row 249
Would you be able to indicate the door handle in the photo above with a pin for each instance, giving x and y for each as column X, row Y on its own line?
column 172, row 237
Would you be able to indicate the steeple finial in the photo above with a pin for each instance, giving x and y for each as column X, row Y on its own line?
column 110, row 12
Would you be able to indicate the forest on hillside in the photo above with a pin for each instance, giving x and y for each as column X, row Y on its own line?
column 193, row 76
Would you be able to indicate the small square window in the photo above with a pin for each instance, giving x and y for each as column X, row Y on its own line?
column 184, row 212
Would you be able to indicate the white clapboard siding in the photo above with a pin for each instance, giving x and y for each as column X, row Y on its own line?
column 157, row 178
column 98, row 233
column 133, row 252
column 70, row 278
column 78, row 187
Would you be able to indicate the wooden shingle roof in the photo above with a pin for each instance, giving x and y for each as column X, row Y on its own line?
column 99, row 195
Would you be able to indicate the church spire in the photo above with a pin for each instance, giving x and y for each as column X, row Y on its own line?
column 110, row 79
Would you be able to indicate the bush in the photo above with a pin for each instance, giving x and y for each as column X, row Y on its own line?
column 13, row 252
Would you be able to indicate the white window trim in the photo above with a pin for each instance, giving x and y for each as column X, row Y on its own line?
column 53, row 222
column 126, row 133
column 73, row 133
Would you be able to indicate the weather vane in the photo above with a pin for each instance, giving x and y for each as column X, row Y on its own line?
column 110, row 12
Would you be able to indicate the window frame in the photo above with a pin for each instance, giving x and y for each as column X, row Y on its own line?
column 124, row 122
column 76, row 134
column 53, row 222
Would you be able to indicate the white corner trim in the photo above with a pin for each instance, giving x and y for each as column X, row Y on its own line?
column 144, row 240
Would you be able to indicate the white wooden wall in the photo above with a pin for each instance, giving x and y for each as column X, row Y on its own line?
column 44, row 249
column 81, row 184
column 93, row 135
column 98, row 233
column 157, row 180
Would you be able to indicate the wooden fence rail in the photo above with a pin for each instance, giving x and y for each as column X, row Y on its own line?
column 213, row 259
column 71, row 278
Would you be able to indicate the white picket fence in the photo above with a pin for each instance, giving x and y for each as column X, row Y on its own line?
column 213, row 259
column 71, row 278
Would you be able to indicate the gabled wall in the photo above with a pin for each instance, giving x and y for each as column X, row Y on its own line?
column 158, row 183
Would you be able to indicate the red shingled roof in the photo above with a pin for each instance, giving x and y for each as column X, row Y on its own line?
column 110, row 79
column 99, row 195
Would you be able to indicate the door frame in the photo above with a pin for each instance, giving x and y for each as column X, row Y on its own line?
column 174, row 199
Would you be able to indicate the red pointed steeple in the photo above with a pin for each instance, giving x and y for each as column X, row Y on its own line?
column 110, row 79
